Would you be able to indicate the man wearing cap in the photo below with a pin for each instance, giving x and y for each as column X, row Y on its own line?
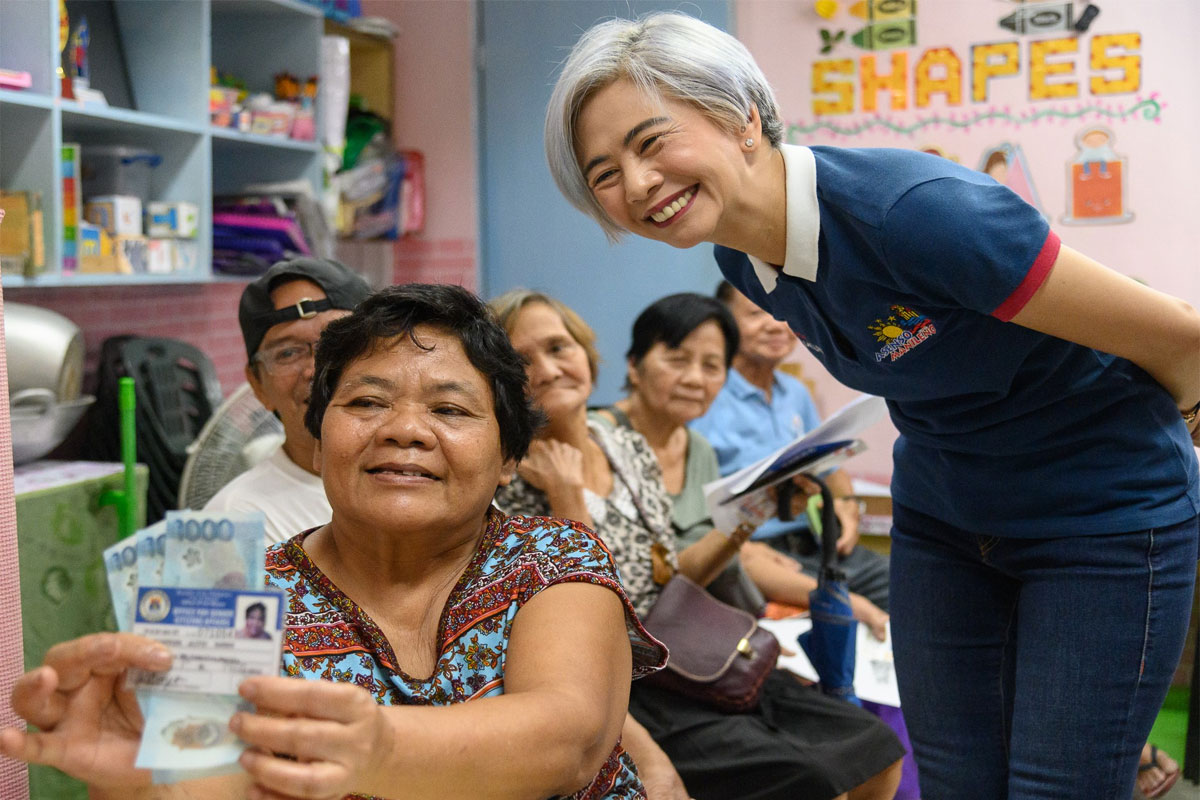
column 282, row 315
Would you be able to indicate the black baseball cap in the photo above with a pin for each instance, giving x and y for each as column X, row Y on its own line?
column 343, row 289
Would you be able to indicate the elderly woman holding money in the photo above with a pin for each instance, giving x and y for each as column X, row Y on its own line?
column 796, row 742
column 417, row 597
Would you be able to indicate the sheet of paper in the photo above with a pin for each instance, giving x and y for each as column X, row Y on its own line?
column 851, row 420
column 854, row 418
column 735, row 498
column 874, row 667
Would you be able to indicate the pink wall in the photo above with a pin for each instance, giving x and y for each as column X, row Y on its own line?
column 204, row 315
column 435, row 102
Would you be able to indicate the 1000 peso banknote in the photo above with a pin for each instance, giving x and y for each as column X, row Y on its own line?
column 211, row 551
column 187, row 711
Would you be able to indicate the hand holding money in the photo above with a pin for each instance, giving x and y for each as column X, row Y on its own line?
column 90, row 723
column 336, row 733
column 194, row 583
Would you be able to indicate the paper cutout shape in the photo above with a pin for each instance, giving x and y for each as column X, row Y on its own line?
column 1006, row 163
column 1097, row 188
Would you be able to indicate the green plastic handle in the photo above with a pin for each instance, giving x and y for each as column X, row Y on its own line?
column 125, row 499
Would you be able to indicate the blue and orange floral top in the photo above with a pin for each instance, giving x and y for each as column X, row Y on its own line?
column 328, row 637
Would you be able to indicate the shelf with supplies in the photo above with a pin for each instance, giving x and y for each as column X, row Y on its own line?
column 139, row 128
column 228, row 137
column 29, row 99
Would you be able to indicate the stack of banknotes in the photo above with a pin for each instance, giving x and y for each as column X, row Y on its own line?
column 196, row 582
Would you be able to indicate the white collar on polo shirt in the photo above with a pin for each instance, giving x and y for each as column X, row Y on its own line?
column 803, row 219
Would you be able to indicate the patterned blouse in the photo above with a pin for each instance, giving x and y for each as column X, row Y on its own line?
column 328, row 637
column 635, row 515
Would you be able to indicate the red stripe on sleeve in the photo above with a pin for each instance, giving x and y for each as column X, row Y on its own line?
column 1033, row 280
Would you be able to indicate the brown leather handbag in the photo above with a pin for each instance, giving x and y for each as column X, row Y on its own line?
column 718, row 653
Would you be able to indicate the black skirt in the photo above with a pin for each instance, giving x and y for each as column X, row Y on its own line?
column 797, row 744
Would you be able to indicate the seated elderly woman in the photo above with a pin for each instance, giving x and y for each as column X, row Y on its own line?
column 420, row 408
column 681, row 349
column 796, row 742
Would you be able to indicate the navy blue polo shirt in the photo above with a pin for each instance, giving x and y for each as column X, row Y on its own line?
column 901, row 276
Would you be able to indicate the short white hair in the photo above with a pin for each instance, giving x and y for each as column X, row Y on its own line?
column 665, row 54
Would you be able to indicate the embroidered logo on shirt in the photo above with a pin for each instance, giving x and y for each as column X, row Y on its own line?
column 901, row 331
column 804, row 341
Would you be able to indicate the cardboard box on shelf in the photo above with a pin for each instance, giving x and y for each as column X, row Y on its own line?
column 185, row 255
column 221, row 100
column 96, row 250
column 119, row 214
column 22, row 249
column 160, row 258
column 171, row 219
column 131, row 254
column 274, row 120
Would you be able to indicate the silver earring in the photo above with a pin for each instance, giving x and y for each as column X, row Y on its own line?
column 749, row 143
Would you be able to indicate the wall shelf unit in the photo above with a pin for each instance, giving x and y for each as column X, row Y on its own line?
column 152, row 60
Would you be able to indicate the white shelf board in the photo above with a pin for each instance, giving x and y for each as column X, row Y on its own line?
column 223, row 136
column 108, row 118
column 59, row 281
column 24, row 98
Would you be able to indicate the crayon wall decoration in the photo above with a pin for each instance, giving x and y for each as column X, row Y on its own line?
column 884, row 10
column 890, row 23
column 1040, row 18
column 886, row 35
column 1086, row 17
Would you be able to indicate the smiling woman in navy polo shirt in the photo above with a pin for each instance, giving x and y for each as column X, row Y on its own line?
column 1045, row 485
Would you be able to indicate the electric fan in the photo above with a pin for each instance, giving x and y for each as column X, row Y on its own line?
column 239, row 434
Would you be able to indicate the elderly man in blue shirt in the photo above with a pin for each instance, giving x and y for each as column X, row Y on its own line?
column 759, row 410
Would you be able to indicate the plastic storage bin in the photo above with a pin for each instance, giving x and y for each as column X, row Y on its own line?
column 118, row 170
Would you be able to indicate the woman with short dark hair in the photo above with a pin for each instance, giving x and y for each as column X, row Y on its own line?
column 679, row 355
column 437, row 637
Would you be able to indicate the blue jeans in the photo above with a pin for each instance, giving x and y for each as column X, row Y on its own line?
column 1034, row 668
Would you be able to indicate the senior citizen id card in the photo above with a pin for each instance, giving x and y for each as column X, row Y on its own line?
column 218, row 637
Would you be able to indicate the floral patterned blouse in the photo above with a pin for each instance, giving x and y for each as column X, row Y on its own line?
column 631, row 520
column 328, row 637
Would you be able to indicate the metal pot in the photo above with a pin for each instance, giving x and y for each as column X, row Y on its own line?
column 40, row 423
column 44, row 351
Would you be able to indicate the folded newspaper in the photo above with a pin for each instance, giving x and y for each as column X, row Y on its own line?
column 821, row 450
